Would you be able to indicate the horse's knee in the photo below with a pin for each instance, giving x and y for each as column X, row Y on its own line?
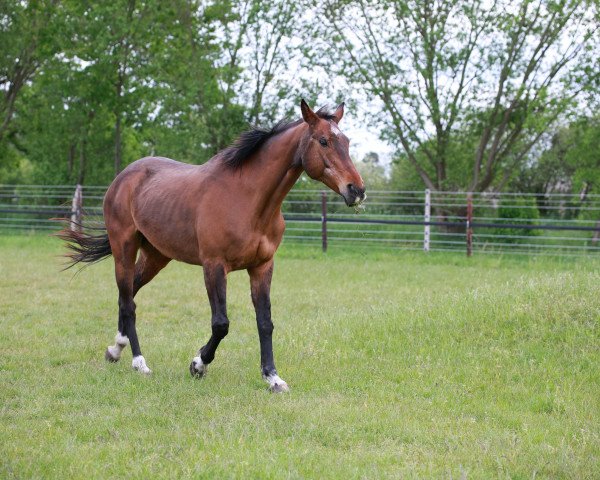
column 220, row 327
column 265, row 328
column 126, row 302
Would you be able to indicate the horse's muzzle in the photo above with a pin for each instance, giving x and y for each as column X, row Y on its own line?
column 354, row 196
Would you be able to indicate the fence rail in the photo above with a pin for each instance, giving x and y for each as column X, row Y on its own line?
column 520, row 223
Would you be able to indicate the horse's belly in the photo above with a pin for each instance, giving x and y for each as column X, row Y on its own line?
column 181, row 247
column 171, row 234
column 236, row 249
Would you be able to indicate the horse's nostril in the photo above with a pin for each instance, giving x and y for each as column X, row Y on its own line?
column 354, row 195
column 356, row 191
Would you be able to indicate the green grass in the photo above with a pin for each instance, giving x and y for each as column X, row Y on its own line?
column 401, row 366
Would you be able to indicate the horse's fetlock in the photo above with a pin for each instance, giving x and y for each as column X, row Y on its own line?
column 206, row 356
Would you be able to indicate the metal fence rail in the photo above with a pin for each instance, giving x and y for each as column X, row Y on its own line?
column 520, row 223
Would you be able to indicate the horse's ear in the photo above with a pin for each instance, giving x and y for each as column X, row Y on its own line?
column 339, row 113
column 308, row 115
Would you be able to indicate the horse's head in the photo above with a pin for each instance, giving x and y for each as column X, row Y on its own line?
column 325, row 155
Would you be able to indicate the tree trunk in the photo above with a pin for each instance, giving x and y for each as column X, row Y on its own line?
column 70, row 160
column 596, row 236
column 82, row 161
column 118, row 145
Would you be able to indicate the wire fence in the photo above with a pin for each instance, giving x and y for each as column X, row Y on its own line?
column 476, row 223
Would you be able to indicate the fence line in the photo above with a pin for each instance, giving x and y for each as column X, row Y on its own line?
column 520, row 223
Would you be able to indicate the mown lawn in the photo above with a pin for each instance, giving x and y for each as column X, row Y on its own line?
column 401, row 366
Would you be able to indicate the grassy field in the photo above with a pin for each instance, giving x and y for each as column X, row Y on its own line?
column 401, row 366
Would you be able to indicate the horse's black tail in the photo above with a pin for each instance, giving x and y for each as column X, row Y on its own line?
column 85, row 248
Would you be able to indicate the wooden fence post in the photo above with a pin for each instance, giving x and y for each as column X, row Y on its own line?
column 469, row 222
column 324, row 219
column 596, row 236
column 76, row 210
column 427, row 219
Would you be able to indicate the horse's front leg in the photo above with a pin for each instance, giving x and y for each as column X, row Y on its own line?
column 215, row 279
column 260, row 287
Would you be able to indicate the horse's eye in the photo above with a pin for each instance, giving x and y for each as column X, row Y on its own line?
column 323, row 141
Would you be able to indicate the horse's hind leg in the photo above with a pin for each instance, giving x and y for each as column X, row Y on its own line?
column 216, row 286
column 124, row 245
column 149, row 263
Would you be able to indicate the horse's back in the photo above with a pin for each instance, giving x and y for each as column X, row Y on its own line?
column 150, row 166
column 146, row 170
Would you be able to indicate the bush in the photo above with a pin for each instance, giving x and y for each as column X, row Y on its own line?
column 517, row 211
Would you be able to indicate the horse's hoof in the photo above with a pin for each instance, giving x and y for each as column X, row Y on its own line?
column 139, row 364
column 197, row 368
column 276, row 384
column 110, row 355
column 279, row 388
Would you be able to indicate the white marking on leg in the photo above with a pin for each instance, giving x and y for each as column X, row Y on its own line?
column 276, row 384
column 121, row 341
column 199, row 367
column 139, row 363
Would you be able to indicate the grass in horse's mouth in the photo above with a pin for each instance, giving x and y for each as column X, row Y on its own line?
column 359, row 207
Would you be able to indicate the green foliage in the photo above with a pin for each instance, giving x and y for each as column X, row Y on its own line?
column 372, row 172
column 14, row 167
column 463, row 95
column 30, row 34
column 517, row 211
column 500, row 72
column 404, row 176
column 571, row 160
column 267, row 29
column 459, row 152
column 120, row 80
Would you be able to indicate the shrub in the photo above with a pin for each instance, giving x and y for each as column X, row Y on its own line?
column 517, row 211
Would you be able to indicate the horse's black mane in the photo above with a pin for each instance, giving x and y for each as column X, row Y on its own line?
column 251, row 140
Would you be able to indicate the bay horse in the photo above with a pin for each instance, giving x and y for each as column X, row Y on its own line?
column 224, row 215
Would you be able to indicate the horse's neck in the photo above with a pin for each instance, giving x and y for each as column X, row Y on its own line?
column 275, row 170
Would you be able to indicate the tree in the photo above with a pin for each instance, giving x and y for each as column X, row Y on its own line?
column 502, row 69
column 372, row 172
column 122, row 86
column 571, row 162
column 27, row 34
column 116, row 41
column 270, row 51
column 65, row 128
column 197, row 112
column 261, row 44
